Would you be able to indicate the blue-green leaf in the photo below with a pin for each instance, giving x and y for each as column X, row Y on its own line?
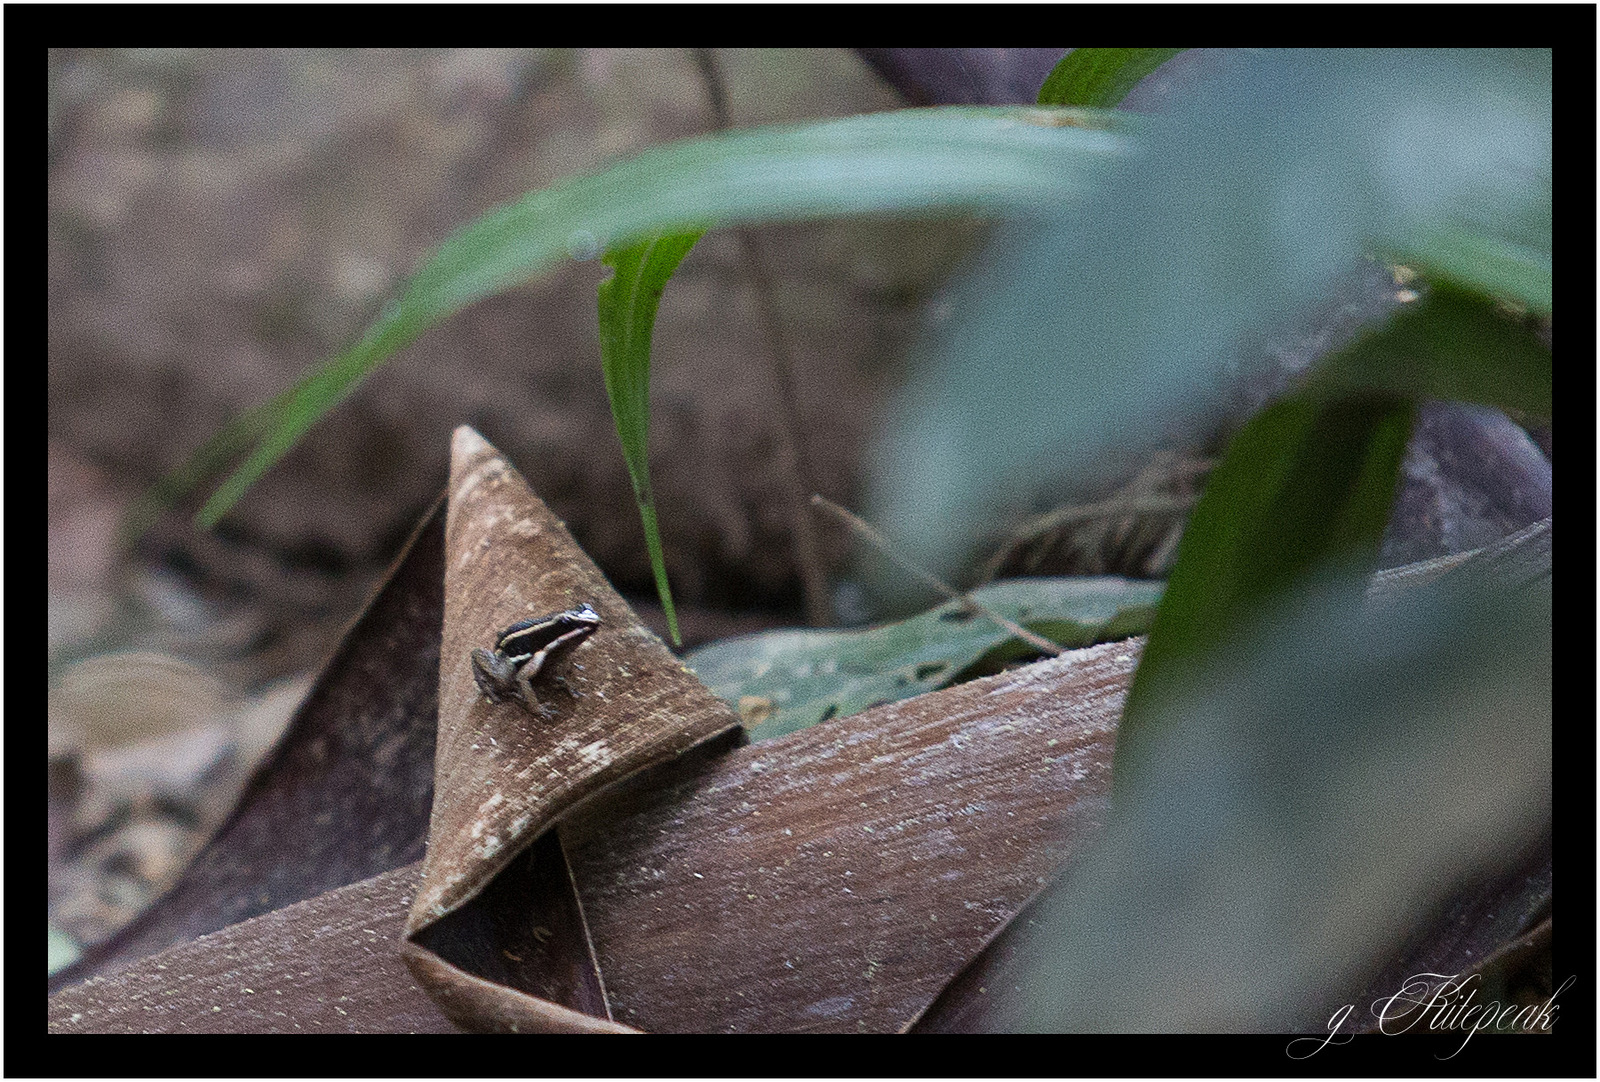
column 1321, row 797
column 61, row 949
column 788, row 680
column 1308, row 484
column 1082, row 343
column 1450, row 345
column 627, row 312
column 1484, row 263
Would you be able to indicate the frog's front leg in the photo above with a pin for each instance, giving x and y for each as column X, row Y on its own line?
column 561, row 681
column 530, row 697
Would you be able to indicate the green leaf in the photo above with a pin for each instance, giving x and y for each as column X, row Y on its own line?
column 61, row 950
column 1315, row 803
column 1453, row 344
column 1100, row 78
column 628, row 303
column 290, row 414
column 1497, row 266
column 1306, row 487
column 987, row 160
column 215, row 456
column 1252, row 206
column 804, row 677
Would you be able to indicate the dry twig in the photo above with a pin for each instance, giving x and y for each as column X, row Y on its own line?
column 865, row 531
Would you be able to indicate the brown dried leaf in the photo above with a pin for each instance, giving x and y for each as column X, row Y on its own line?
column 881, row 850
column 503, row 776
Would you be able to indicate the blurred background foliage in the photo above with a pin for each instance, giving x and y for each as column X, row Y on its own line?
column 1081, row 342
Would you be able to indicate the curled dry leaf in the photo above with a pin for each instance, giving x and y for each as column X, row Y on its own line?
column 503, row 775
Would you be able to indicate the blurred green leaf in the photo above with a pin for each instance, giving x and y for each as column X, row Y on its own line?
column 628, row 303
column 62, row 949
column 920, row 161
column 810, row 676
column 1078, row 344
column 1305, row 487
column 1100, row 78
column 214, row 457
column 1332, row 781
column 1493, row 265
column 1450, row 345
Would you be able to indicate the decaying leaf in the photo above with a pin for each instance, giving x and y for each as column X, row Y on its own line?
column 502, row 774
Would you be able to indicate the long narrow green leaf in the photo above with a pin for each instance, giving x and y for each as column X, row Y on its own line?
column 1305, row 486
column 990, row 160
column 298, row 409
column 215, row 457
column 1100, row 78
column 628, row 303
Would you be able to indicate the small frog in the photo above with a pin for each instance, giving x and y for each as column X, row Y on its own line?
column 527, row 649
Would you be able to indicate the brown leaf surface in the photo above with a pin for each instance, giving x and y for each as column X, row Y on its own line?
column 834, row 879
column 502, row 777
column 327, row 965
column 882, row 849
